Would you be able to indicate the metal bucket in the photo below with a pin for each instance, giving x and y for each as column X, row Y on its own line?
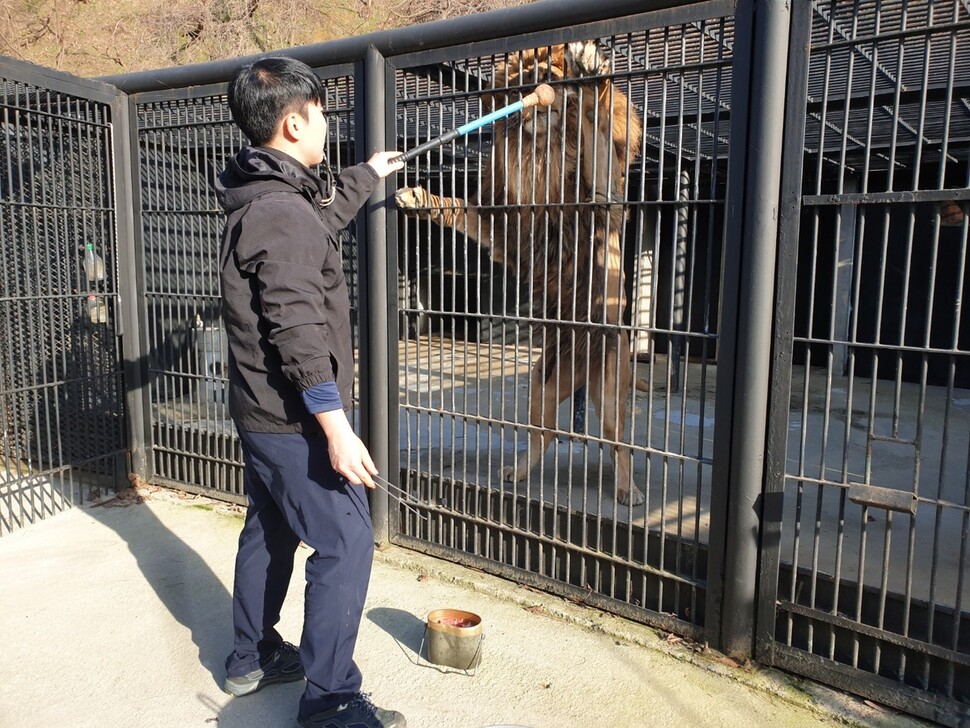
column 454, row 638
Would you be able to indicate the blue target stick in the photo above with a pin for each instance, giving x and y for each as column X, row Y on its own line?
column 544, row 95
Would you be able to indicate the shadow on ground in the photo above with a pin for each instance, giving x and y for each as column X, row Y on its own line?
column 202, row 603
column 192, row 593
column 406, row 629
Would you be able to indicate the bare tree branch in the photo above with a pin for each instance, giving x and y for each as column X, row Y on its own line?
column 96, row 37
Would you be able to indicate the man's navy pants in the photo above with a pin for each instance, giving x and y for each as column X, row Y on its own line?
column 295, row 495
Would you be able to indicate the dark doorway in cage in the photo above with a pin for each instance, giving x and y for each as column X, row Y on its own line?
column 909, row 257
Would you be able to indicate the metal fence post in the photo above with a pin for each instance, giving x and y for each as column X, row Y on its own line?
column 131, row 285
column 784, row 316
column 374, row 297
column 748, row 275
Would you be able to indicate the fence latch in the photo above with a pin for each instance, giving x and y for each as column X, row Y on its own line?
column 892, row 500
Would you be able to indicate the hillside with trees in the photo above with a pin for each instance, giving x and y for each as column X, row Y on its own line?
column 101, row 37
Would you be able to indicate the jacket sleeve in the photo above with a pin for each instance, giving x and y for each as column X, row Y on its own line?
column 285, row 250
column 354, row 185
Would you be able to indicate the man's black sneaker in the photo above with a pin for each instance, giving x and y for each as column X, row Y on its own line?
column 359, row 712
column 284, row 665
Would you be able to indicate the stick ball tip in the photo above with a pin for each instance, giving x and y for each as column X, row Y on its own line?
column 546, row 94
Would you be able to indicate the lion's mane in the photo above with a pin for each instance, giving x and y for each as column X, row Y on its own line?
column 549, row 179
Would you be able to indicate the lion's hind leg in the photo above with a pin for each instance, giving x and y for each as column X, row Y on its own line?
column 546, row 391
column 611, row 395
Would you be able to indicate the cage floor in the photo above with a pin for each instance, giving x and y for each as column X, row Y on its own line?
column 464, row 417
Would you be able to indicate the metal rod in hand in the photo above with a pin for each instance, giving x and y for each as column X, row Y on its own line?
column 386, row 485
column 544, row 95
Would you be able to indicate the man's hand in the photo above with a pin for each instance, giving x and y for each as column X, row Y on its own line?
column 348, row 455
column 384, row 163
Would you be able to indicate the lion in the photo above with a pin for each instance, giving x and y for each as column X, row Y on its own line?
column 549, row 207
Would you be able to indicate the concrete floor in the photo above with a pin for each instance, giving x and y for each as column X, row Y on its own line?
column 464, row 406
column 119, row 615
column 461, row 403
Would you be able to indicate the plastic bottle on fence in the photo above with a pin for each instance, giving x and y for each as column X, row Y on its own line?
column 93, row 264
column 97, row 309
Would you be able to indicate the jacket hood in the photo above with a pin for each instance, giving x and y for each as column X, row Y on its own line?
column 254, row 171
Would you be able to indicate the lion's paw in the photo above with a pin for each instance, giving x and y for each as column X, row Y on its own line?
column 630, row 498
column 411, row 198
column 510, row 474
column 583, row 58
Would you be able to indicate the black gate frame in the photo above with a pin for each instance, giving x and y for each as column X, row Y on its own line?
column 73, row 471
column 714, row 626
column 769, row 649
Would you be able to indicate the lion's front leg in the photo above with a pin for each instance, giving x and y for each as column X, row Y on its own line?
column 420, row 203
column 413, row 200
column 450, row 212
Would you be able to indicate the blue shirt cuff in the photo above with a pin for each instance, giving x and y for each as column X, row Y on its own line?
column 323, row 397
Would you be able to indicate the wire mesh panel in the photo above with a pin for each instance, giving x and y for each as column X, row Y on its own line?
column 184, row 143
column 558, row 301
column 61, row 389
column 874, row 578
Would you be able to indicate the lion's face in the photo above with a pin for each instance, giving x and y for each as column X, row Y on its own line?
column 578, row 99
column 520, row 74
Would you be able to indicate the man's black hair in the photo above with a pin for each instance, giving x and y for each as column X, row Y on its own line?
column 265, row 91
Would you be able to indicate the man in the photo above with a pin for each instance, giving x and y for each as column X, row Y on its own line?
column 287, row 317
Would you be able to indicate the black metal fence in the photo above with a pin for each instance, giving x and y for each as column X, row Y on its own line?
column 732, row 284
column 61, row 386
column 532, row 361
column 182, row 144
column 869, row 565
